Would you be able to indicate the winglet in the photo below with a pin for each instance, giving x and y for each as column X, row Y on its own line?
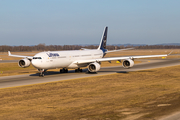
column 9, row 53
column 170, row 52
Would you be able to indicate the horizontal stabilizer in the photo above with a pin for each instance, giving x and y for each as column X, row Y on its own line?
column 118, row 50
column 84, row 49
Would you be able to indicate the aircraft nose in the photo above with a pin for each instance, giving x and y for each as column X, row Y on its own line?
column 34, row 63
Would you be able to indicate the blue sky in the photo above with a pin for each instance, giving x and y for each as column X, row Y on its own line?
column 68, row 22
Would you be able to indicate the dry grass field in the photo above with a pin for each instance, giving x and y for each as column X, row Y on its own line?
column 7, row 69
column 142, row 95
column 146, row 52
column 4, row 55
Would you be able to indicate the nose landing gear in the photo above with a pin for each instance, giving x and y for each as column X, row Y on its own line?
column 41, row 74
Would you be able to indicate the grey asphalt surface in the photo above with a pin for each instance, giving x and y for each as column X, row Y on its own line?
column 8, row 61
column 28, row 79
column 175, row 116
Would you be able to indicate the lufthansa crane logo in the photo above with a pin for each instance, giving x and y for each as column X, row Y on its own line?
column 104, row 42
column 52, row 54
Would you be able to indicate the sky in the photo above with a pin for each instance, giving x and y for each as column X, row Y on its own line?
column 73, row 22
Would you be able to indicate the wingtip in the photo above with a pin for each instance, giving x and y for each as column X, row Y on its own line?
column 170, row 53
column 9, row 53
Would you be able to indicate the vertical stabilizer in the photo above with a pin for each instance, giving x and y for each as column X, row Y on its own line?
column 102, row 45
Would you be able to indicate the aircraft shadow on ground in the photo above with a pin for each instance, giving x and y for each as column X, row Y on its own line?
column 85, row 72
column 57, row 72
column 122, row 72
column 72, row 71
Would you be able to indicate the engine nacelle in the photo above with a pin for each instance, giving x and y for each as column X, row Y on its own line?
column 24, row 63
column 94, row 67
column 128, row 63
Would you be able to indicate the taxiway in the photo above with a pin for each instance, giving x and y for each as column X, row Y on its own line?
column 20, row 80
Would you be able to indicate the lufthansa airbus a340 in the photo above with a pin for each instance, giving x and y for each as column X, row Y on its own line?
column 76, row 59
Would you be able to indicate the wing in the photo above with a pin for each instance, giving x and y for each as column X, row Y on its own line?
column 115, row 58
column 21, row 56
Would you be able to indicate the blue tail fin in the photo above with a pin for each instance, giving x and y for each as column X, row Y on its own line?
column 102, row 45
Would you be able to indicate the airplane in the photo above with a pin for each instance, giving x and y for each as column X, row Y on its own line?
column 76, row 59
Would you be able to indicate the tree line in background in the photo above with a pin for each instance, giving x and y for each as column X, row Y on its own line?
column 43, row 47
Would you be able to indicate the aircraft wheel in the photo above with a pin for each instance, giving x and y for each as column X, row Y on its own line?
column 63, row 70
column 41, row 75
column 78, row 70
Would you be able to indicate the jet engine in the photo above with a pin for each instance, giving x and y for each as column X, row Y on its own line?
column 94, row 67
column 24, row 63
column 128, row 63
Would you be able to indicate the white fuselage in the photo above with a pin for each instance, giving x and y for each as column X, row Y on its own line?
column 64, row 59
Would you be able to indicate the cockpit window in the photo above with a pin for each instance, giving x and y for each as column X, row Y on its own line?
column 37, row 58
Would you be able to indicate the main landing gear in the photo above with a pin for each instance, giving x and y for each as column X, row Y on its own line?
column 64, row 70
column 78, row 70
